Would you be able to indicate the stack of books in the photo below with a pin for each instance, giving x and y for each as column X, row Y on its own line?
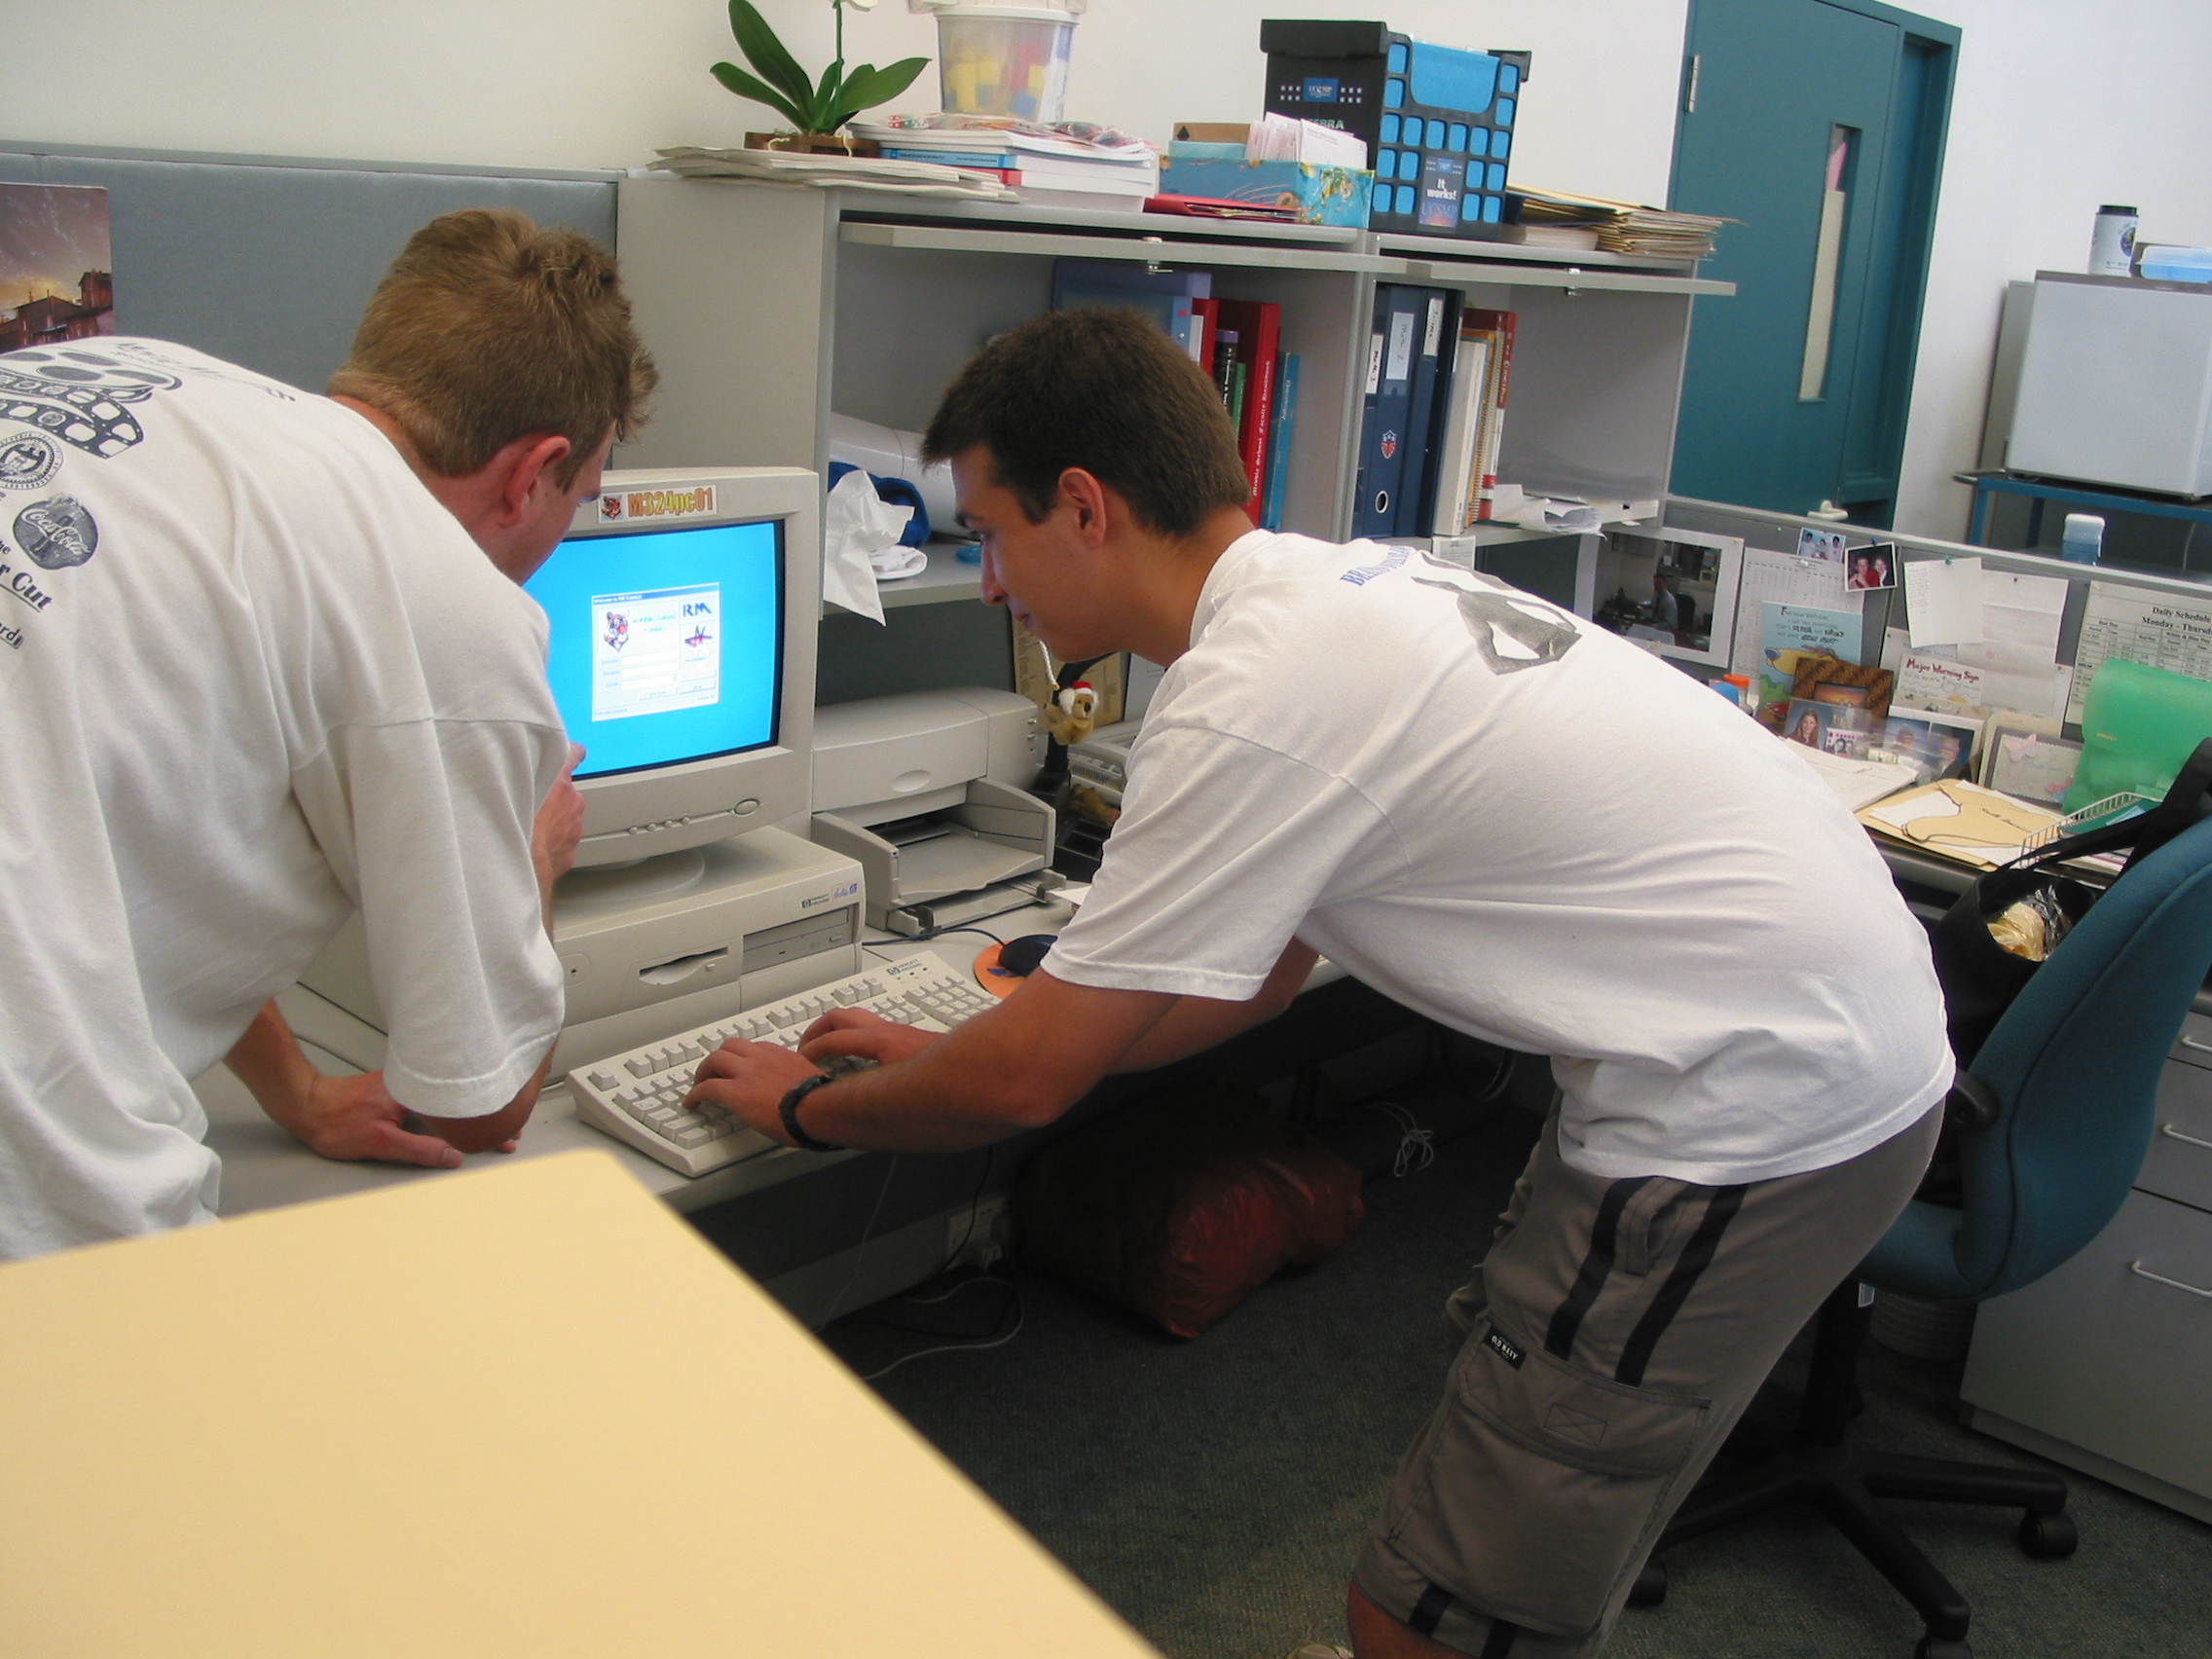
column 1622, row 227
column 1038, row 165
column 1236, row 342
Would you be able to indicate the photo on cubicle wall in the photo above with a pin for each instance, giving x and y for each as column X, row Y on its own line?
column 56, row 274
column 1673, row 590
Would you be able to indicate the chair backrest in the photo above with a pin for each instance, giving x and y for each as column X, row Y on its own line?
column 2075, row 1063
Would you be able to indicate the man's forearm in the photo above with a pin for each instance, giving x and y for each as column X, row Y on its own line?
column 268, row 1060
column 934, row 1102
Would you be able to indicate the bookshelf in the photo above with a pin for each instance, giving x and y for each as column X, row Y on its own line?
column 767, row 306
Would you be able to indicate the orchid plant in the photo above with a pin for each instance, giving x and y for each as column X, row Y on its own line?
column 810, row 106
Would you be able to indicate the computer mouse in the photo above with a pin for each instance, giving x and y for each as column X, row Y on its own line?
column 1021, row 956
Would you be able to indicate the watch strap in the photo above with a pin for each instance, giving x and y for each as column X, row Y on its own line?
column 789, row 1113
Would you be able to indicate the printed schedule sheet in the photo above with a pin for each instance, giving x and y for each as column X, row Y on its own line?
column 2155, row 630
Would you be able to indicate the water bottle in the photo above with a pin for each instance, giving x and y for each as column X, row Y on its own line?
column 2084, row 538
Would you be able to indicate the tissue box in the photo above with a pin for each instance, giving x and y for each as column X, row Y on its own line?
column 1323, row 196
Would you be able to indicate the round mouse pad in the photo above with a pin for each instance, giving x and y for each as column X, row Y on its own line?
column 991, row 977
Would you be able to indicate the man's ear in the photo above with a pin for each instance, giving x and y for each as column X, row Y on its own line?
column 1086, row 498
column 530, row 461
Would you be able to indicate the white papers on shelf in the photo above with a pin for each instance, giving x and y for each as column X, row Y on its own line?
column 1286, row 138
column 832, row 171
column 2155, row 630
column 1943, row 600
column 1783, row 578
column 1927, row 681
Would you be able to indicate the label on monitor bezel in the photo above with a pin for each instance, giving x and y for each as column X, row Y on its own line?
column 657, row 507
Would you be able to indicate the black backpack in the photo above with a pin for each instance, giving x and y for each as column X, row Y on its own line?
column 1980, row 977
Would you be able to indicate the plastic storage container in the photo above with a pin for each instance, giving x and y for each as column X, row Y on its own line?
column 2138, row 726
column 1438, row 120
column 1004, row 60
column 2083, row 542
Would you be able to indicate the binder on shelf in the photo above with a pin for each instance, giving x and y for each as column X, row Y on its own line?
column 1278, row 442
column 1259, row 329
column 1433, row 366
column 1392, row 343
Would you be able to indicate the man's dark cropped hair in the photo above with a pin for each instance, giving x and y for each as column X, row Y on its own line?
column 1106, row 392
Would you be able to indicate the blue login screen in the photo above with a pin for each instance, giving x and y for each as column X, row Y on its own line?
column 666, row 643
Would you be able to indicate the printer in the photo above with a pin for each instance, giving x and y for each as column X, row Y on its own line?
column 928, row 792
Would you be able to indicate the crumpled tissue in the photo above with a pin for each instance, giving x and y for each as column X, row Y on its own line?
column 860, row 534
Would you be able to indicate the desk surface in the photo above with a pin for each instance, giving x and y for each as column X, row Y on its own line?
column 264, row 1165
column 523, row 1412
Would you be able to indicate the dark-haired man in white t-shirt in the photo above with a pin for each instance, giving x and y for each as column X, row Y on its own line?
column 1513, row 823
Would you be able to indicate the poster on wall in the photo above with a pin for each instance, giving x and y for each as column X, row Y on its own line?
column 56, row 276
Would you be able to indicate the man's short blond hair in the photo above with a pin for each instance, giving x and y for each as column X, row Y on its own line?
column 487, row 329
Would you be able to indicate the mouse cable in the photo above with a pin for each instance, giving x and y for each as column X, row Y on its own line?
column 853, row 1273
column 973, row 1199
column 1020, row 1316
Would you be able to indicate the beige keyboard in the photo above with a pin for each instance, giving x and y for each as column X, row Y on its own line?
column 638, row 1098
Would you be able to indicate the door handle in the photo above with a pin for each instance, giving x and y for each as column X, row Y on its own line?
column 2201, row 1047
column 2172, row 1133
column 2141, row 1271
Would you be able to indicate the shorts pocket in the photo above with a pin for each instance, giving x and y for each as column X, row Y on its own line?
column 1543, row 1482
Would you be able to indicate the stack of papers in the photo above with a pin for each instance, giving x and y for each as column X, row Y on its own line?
column 1856, row 782
column 1070, row 166
column 832, row 173
column 1961, row 822
column 1624, row 227
column 1285, row 138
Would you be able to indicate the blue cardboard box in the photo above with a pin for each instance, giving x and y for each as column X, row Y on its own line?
column 1322, row 195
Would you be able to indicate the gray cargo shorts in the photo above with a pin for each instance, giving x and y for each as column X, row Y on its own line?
column 1615, row 1332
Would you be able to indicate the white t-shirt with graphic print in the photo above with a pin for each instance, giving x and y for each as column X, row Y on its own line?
column 1507, row 819
column 251, row 675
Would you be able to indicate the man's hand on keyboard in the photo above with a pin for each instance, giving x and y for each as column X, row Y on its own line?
column 748, row 1080
column 864, row 1035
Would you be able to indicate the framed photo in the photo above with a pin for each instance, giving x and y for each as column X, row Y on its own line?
column 1825, row 546
column 1672, row 589
column 1826, row 679
column 1833, row 728
column 1871, row 568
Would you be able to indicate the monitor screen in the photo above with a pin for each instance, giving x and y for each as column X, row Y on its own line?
column 666, row 645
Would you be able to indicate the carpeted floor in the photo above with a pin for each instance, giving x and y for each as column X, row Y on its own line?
column 1215, row 1492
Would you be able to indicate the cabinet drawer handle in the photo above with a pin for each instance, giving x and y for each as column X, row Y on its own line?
column 2172, row 1133
column 2201, row 1047
column 2141, row 1271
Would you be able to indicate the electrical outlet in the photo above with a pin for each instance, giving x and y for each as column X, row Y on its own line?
column 977, row 1237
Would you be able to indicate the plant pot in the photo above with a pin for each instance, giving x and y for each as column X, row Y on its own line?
column 811, row 143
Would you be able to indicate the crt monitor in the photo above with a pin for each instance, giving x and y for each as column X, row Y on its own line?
column 682, row 609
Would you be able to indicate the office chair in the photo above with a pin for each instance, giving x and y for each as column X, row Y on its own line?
column 2054, row 1118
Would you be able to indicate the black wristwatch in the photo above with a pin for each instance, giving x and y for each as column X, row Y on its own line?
column 800, row 1137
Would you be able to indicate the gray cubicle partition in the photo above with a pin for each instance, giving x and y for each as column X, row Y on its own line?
column 267, row 261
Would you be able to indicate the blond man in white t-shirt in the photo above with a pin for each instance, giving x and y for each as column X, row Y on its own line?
column 268, row 660
column 1509, row 820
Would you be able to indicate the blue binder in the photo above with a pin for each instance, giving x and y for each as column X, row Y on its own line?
column 1392, row 349
column 1416, row 514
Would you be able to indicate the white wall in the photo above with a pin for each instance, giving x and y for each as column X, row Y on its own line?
column 2059, row 107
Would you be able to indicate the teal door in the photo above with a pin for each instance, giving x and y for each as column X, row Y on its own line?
column 1819, row 123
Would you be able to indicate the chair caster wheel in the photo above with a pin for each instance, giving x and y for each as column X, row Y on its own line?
column 1650, row 1586
column 2047, row 1537
column 1935, row 1648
